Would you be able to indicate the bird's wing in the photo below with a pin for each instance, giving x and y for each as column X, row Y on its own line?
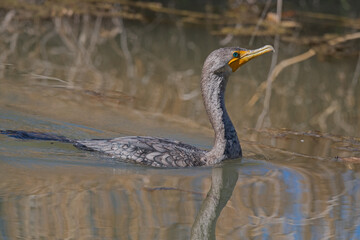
column 157, row 152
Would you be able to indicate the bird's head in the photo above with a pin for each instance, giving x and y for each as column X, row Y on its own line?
column 227, row 60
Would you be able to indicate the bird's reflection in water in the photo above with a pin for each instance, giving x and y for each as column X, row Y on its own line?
column 223, row 181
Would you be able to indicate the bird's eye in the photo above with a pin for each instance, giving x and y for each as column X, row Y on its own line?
column 235, row 54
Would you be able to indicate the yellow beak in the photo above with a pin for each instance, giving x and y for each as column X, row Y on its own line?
column 247, row 55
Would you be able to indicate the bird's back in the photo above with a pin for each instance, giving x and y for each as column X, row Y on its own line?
column 157, row 152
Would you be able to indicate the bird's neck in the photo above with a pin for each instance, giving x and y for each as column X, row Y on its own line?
column 226, row 141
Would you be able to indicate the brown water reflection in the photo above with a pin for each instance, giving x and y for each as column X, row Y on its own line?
column 298, row 199
column 156, row 68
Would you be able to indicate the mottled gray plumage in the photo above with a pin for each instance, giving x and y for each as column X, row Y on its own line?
column 159, row 152
column 156, row 152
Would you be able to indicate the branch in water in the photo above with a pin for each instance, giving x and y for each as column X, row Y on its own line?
column 302, row 57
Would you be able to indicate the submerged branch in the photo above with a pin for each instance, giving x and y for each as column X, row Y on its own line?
column 299, row 58
column 274, row 59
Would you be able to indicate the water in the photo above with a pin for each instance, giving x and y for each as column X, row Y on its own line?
column 74, row 77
